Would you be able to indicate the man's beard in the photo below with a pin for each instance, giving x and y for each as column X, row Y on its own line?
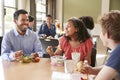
column 22, row 30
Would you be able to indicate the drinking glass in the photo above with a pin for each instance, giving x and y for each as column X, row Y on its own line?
column 69, row 66
column 75, row 56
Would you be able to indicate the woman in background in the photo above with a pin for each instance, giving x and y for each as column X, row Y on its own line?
column 58, row 29
column 76, row 39
column 89, row 23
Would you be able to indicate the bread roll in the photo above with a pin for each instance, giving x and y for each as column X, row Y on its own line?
column 80, row 66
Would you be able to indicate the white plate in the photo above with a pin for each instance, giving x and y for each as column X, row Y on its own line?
column 47, row 40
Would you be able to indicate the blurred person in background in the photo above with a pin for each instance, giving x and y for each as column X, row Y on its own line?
column 58, row 29
column 31, row 22
column 89, row 23
column 47, row 29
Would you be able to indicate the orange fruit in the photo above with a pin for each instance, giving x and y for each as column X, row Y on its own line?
column 37, row 59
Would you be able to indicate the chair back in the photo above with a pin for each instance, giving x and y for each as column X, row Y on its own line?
column 93, row 57
column 1, row 37
column 48, row 42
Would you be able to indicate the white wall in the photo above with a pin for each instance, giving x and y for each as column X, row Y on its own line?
column 96, row 30
column 105, row 6
column 59, row 10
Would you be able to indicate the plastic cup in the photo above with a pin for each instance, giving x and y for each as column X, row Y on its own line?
column 69, row 66
column 76, row 56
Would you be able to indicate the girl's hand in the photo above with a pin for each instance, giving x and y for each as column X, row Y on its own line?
column 50, row 50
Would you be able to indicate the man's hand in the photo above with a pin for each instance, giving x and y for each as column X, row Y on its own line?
column 33, row 55
column 18, row 55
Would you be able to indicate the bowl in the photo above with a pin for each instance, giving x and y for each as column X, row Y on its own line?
column 57, row 61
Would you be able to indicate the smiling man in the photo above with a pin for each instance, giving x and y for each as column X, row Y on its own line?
column 20, row 40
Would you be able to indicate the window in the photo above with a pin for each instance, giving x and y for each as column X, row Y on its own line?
column 1, row 17
column 7, row 8
column 40, row 12
column 10, row 8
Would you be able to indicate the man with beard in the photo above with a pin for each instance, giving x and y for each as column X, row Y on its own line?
column 20, row 40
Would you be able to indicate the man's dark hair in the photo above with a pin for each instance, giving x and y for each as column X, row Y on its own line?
column 31, row 18
column 18, row 12
column 48, row 15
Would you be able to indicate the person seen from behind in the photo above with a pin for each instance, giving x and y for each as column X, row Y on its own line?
column 31, row 22
column 110, row 36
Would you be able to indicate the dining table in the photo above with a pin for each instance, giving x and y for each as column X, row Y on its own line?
column 41, row 70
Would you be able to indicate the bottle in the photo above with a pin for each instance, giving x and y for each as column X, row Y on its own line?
column 86, row 62
column 85, row 65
